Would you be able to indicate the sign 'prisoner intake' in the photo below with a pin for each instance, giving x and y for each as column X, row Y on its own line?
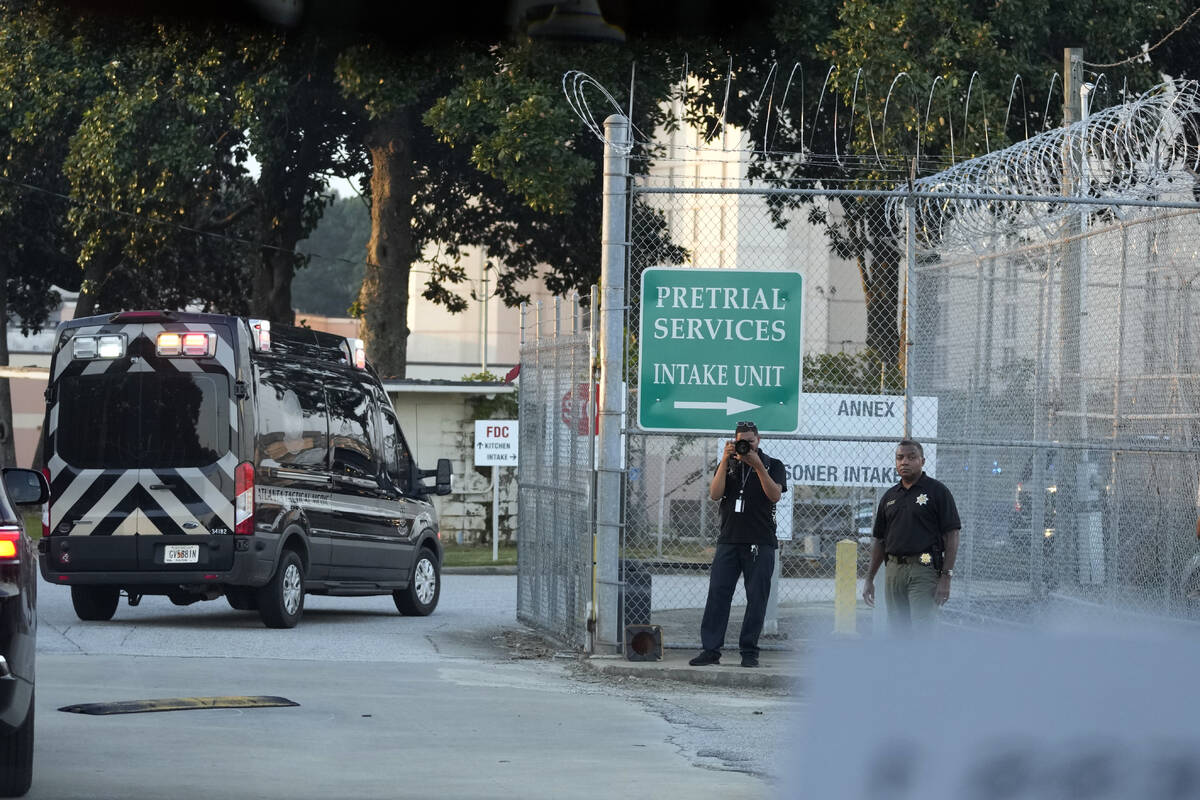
column 717, row 346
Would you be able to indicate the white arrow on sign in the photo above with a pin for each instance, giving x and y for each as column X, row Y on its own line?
column 731, row 405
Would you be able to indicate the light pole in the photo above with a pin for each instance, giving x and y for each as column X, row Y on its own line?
column 483, row 322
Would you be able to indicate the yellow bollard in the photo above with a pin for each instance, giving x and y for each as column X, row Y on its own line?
column 845, row 585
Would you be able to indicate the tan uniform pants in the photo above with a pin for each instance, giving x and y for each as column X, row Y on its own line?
column 910, row 589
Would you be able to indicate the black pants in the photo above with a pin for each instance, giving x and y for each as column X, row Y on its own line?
column 730, row 561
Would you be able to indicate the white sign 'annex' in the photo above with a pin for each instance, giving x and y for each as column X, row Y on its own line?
column 865, row 464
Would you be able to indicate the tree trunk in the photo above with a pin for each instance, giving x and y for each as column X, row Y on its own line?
column 93, row 275
column 390, row 252
column 272, row 291
column 284, row 186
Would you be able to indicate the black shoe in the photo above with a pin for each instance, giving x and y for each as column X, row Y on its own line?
column 705, row 658
column 749, row 661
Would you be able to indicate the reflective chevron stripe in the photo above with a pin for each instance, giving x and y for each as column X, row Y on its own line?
column 172, row 501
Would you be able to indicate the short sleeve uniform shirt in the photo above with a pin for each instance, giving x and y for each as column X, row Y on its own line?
column 915, row 520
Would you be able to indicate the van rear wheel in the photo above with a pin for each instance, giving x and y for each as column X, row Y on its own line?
column 281, row 601
column 95, row 603
column 421, row 596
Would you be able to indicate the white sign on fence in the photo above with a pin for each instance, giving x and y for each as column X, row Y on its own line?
column 810, row 462
column 496, row 442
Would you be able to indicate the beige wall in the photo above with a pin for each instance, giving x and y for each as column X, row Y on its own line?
column 440, row 425
column 29, row 406
column 447, row 346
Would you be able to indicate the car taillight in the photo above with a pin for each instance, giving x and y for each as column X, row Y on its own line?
column 243, row 502
column 9, row 536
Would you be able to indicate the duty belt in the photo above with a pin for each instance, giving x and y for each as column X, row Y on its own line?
column 915, row 558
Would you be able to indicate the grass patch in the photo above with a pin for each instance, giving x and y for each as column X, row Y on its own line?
column 466, row 555
column 33, row 522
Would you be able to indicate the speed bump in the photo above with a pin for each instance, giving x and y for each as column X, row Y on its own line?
column 177, row 704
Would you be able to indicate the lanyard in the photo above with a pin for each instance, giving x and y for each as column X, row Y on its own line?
column 740, row 501
column 745, row 477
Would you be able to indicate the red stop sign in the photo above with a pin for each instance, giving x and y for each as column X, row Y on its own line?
column 574, row 410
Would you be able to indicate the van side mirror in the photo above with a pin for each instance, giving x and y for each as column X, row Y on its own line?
column 444, row 481
column 26, row 486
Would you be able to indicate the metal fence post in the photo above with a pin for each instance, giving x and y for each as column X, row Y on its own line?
column 910, row 257
column 612, row 319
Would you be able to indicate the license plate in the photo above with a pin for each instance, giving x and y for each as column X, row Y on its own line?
column 181, row 554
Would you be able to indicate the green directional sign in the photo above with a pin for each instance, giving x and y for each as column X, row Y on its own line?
column 720, row 345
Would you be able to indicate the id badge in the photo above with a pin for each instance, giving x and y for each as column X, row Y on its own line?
column 737, row 505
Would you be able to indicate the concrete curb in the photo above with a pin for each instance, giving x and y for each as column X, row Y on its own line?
column 505, row 570
column 674, row 667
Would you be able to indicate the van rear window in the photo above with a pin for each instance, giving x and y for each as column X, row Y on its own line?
column 143, row 420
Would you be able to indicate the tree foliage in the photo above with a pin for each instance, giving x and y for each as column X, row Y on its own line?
column 329, row 283
column 882, row 87
column 196, row 156
column 149, row 177
column 540, row 188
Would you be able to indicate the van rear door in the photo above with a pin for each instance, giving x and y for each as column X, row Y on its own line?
column 95, row 479
column 141, row 461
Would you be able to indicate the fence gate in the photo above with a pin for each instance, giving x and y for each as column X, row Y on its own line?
column 557, row 416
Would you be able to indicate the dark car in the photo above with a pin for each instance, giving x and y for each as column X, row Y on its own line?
column 18, row 629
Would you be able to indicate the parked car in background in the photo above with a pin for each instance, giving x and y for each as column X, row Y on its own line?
column 18, row 630
column 820, row 523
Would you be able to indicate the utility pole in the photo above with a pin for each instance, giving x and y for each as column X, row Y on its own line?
column 483, row 323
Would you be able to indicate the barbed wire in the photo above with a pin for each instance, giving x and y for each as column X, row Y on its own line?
column 850, row 121
column 1143, row 149
column 1144, row 53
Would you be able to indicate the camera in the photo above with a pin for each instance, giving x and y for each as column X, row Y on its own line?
column 741, row 447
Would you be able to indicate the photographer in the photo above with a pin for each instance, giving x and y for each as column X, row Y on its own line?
column 749, row 483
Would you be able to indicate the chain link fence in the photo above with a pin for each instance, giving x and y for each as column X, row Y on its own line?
column 554, row 495
column 1051, row 372
column 1066, row 368
column 852, row 410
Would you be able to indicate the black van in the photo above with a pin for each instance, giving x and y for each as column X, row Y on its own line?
column 199, row 455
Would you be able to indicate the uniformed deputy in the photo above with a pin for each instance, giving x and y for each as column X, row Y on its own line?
column 748, row 485
column 916, row 530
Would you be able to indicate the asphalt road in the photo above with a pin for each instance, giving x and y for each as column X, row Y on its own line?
column 463, row 703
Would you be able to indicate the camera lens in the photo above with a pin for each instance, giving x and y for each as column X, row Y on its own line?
column 741, row 447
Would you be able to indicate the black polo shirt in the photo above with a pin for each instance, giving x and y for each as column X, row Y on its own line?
column 914, row 520
column 755, row 524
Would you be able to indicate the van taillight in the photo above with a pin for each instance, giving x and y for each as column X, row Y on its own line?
column 9, row 536
column 261, row 330
column 243, row 502
column 46, row 506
